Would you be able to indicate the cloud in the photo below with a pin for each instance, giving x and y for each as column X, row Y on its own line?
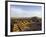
column 21, row 12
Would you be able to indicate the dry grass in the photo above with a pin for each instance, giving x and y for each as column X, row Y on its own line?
column 25, row 24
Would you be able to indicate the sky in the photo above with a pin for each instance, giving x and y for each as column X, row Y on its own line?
column 25, row 11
